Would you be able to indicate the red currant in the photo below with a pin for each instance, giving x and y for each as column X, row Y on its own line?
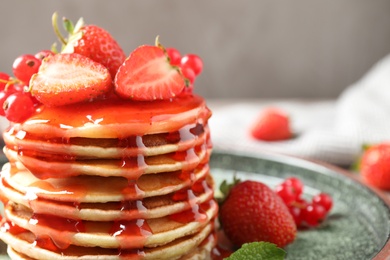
column 323, row 199
column 313, row 214
column 25, row 66
column 194, row 62
column 18, row 107
column 3, row 96
column 4, row 80
column 296, row 184
column 286, row 193
column 189, row 74
column 174, row 56
column 43, row 54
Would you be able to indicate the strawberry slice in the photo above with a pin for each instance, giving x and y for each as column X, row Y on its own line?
column 65, row 79
column 147, row 75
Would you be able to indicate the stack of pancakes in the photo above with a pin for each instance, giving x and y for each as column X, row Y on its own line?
column 110, row 180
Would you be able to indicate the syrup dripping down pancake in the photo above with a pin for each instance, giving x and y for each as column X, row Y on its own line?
column 116, row 119
column 23, row 244
column 80, row 189
column 131, row 168
column 151, row 207
column 132, row 234
column 89, row 148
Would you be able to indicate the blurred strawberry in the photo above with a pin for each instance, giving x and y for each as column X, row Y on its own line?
column 375, row 166
column 253, row 212
column 272, row 125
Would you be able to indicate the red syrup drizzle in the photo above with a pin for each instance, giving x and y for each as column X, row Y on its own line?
column 197, row 212
column 41, row 225
column 10, row 227
column 131, row 234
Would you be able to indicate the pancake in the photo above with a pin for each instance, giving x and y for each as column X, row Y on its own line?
column 141, row 232
column 97, row 120
column 86, row 148
column 100, row 189
column 23, row 244
column 151, row 207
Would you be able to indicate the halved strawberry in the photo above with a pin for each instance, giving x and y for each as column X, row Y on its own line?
column 65, row 79
column 147, row 75
column 91, row 41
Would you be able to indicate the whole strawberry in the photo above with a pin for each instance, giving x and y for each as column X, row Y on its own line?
column 272, row 125
column 93, row 42
column 253, row 212
column 375, row 166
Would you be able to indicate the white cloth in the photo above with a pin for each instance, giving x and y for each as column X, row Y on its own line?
column 330, row 131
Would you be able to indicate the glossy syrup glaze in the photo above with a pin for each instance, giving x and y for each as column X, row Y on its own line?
column 116, row 118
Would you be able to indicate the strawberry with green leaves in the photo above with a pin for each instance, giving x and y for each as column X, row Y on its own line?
column 253, row 212
column 65, row 79
column 148, row 75
column 375, row 166
column 93, row 42
column 272, row 125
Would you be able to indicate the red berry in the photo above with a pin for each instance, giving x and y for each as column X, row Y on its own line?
column 375, row 166
column 323, row 199
column 286, row 193
column 272, row 125
column 192, row 61
column 18, row 107
column 147, row 75
column 70, row 78
column 313, row 214
column 174, row 56
column 43, row 54
column 12, row 88
column 296, row 184
column 253, row 212
column 189, row 74
column 25, row 66
column 3, row 96
column 4, row 80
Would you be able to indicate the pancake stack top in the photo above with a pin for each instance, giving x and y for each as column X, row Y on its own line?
column 110, row 178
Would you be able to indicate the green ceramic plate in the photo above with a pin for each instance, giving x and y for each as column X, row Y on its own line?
column 358, row 226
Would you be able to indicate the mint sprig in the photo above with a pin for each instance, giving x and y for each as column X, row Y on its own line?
column 258, row 251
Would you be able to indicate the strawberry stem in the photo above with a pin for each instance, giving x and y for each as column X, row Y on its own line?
column 56, row 30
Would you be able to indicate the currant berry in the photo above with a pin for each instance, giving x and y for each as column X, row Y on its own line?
column 174, row 56
column 313, row 214
column 18, row 107
column 323, row 199
column 189, row 74
column 4, row 80
column 286, row 193
column 25, row 66
column 3, row 96
column 192, row 61
column 296, row 184
column 43, row 54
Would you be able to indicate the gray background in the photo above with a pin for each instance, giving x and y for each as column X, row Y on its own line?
column 251, row 48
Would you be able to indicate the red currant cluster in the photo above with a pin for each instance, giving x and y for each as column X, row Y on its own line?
column 191, row 65
column 17, row 103
column 305, row 213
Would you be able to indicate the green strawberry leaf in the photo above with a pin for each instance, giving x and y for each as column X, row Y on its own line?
column 68, row 25
column 258, row 251
column 225, row 187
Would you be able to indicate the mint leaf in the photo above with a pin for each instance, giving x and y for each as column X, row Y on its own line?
column 258, row 251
